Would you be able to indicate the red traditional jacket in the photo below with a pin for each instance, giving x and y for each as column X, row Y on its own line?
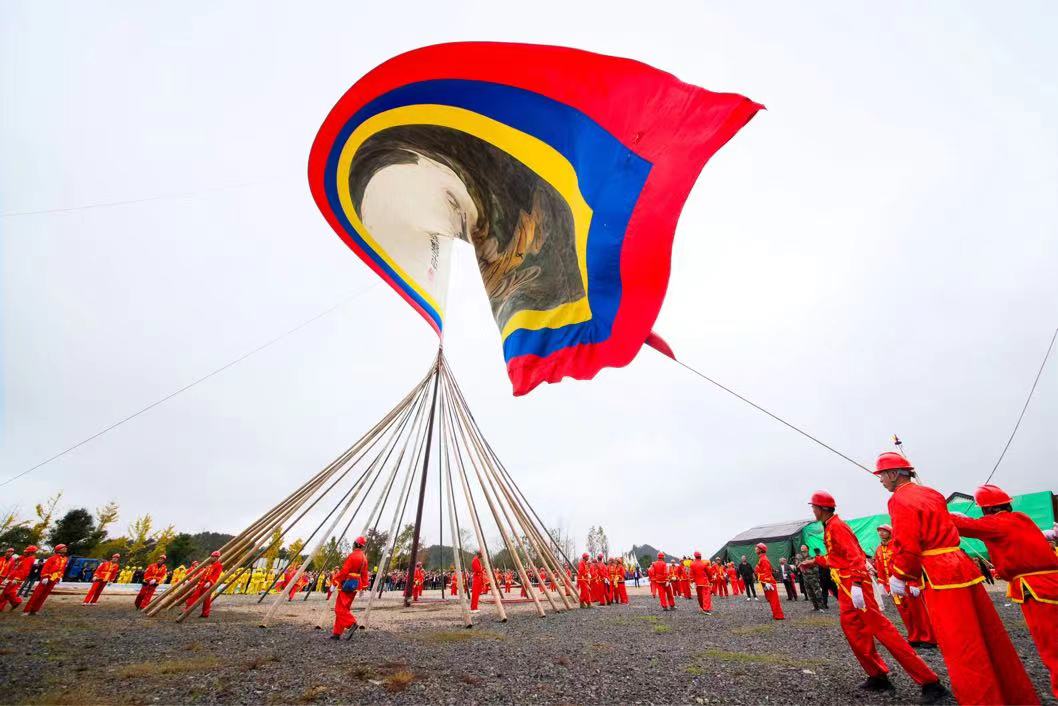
column 53, row 568
column 6, row 564
column 155, row 572
column 926, row 541
column 354, row 566
column 1019, row 551
column 659, row 571
column 107, row 571
column 845, row 556
column 764, row 574
column 19, row 570
column 700, row 571
column 583, row 571
column 212, row 573
column 477, row 569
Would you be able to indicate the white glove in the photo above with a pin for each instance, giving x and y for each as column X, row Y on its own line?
column 767, row 586
column 857, row 598
column 897, row 587
column 957, row 514
column 45, row 581
column 154, row 582
column 915, row 591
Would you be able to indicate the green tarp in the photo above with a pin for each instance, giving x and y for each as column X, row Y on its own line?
column 1038, row 506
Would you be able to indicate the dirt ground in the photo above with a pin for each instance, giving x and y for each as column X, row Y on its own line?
column 620, row 654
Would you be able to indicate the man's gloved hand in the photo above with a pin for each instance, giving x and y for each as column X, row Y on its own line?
column 857, row 597
column 766, row 586
column 45, row 581
column 957, row 514
column 897, row 587
column 915, row 591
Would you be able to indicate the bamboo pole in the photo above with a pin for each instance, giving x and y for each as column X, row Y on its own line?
column 457, row 547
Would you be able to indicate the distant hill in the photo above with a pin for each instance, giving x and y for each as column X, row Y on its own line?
column 645, row 550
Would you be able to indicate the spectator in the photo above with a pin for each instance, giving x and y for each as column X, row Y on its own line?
column 749, row 577
column 787, row 574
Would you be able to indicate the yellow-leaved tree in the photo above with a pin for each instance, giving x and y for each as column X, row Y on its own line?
column 45, row 511
column 272, row 553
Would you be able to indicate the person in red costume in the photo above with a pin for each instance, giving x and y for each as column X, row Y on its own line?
column 584, row 580
column 767, row 581
column 17, row 571
column 1023, row 558
column 912, row 607
column 455, row 583
column 700, row 571
column 861, row 620
column 508, row 580
column 419, row 578
column 7, row 562
column 153, row 575
column 982, row 664
column 50, row 574
column 652, row 582
column 104, row 574
column 732, row 578
column 660, row 573
column 351, row 578
column 206, row 580
column 477, row 581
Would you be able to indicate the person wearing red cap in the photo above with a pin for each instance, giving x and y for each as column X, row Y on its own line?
column 861, row 620
column 7, row 562
column 17, row 572
column 767, row 581
column 454, row 584
column 418, row 580
column 1023, row 558
column 660, row 574
column 50, row 574
column 105, row 573
column 206, row 580
column 700, row 574
column 912, row 607
column 352, row 577
column 508, row 580
column 477, row 581
column 982, row 663
column 153, row 575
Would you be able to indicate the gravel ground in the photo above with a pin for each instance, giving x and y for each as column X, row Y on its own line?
column 620, row 654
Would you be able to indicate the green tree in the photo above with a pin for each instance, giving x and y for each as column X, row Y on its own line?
column 377, row 541
column 17, row 537
column 162, row 541
column 109, row 547
column 180, row 549
column 77, row 530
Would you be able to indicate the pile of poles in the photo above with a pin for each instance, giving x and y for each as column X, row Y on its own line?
column 383, row 466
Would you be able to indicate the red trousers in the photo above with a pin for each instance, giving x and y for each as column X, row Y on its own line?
column 143, row 598
column 863, row 627
column 94, row 591
column 705, row 597
column 1042, row 620
column 653, row 589
column 507, row 587
column 416, row 591
column 773, row 600
column 597, row 591
column 622, row 593
column 37, row 598
column 343, row 616
column 10, row 595
column 665, row 596
column 716, row 588
column 723, row 588
column 585, row 591
column 476, row 586
column 455, row 588
column 913, row 612
column 982, row 664
column 206, row 604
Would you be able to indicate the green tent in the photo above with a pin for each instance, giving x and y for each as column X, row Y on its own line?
column 1039, row 506
column 783, row 539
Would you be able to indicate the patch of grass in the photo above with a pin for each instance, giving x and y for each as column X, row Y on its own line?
column 449, row 636
column 167, row 666
column 312, row 694
column 259, row 661
column 694, row 670
column 753, row 629
column 195, row 647
column 363, row 673
column 398, row 681
column 762, row 658
column 662, row 629
column 68, row 695
column 653, row 619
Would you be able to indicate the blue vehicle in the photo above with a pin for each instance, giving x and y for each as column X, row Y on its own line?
column 80, row 568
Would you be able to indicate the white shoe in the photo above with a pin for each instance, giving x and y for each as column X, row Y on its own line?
column 748, row 598
column 476, row 610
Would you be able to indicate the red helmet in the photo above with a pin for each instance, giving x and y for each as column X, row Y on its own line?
column 887, row 528
column 661, row 555
column 989, row 495
column 216, row 554
column 30, row 550
column 585, row 556
column 697, row 555
column 599, row 556
column 761, row 547
column 60, row 548
column 161, row 557
column 418, row 563
column 362, row 541
column 892, row 461
column 116, row 556
column 823, row 499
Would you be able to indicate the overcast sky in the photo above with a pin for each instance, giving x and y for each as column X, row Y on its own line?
column 874, row 254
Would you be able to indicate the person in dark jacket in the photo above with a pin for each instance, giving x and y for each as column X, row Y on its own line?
column 749, row 577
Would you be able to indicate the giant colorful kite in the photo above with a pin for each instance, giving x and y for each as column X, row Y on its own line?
column 565, row 170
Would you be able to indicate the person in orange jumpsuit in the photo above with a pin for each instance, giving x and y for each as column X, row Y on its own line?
column 861, row 620
column 508, row 580
column 7, row 562
column 454, row 586
column 419, row 578
column 983, row 665
column 732, row 578
column 301, row 583
column 17, row 571
column 351, row 578
column 104, row 574
column 767, row 581
column 602, row 577
column 153, row 575
column 683, row 581
column 620, row 591
column 660, row 572
column 206, row 580
column 477, row 581
column 50, row 574
column 1023, row 558
column 912, row 607
column 700, row 574
column 652, row 582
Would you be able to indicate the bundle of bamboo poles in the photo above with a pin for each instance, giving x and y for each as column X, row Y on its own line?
column 431, row 427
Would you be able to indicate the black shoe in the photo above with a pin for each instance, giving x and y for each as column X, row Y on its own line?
column 927, row 645
column 881, row 683
column 932, row 693
column 336, row 637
